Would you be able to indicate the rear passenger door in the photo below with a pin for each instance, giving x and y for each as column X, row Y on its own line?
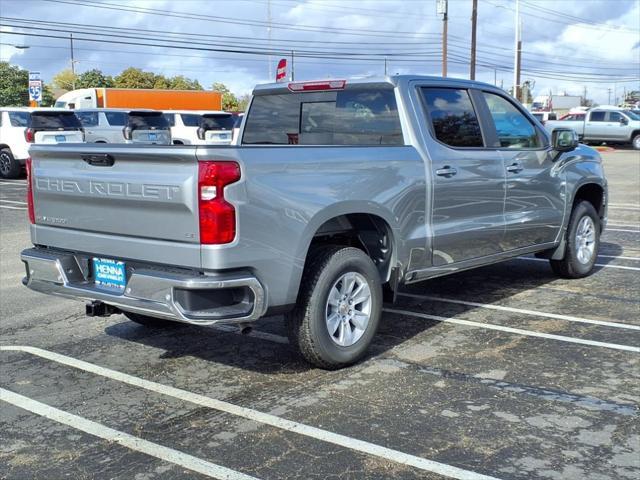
column 468, row 179
column 534, row 202
column 596, row 126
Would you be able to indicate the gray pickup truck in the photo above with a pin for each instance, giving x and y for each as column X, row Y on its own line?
column 338, row 193
column 603, row 124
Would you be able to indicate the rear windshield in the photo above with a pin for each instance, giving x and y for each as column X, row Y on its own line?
column 148, row 121
column 217, row 122
column 19, row 119
column 55, row 121
column 190, row 119
column 345, row 117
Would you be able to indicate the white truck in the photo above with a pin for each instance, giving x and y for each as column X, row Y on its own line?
column 603, row 124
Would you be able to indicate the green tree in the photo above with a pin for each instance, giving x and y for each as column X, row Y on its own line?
column 229, row 100
column 180, row 82
column 47, row 97
column 243, row 102
column 14, row 86
column 162, row 82
column 65, row 79
column 94, row 79
column 135, row 78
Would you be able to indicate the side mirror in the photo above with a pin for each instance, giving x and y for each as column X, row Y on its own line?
column 564, row 139
column 624, row 121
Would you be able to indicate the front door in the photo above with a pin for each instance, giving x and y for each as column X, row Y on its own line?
column 468, row 180
column 534, row 203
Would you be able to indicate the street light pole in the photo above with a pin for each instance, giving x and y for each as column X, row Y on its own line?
column 474, row 21
column 516, row 58
column 442, row 8
column 73, row 64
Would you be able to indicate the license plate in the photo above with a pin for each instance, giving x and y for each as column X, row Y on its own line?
column 224, row 136
column 153, row 136
column 61, row 138
column 109, row 273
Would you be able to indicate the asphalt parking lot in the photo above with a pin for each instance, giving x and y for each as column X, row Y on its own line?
column 502, row 372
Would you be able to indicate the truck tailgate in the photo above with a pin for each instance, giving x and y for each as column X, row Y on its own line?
column 87, row 191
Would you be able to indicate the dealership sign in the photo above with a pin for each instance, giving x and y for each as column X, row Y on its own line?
column 281, row 71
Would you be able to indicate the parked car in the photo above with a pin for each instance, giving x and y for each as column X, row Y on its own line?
column 20, row 127
column 603, row 124
column 338, row 190
column 184, row 125
column 124, row 126
column 542, row 117
column 217, row 128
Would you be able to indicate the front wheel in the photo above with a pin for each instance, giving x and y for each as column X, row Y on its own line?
column 338, row 309
column 583, row 241
column 636, row 142
column 9, row 166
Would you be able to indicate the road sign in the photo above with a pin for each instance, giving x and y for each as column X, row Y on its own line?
column 441, row 7
column 34, row 76
column 281, row 72
column 35, row 90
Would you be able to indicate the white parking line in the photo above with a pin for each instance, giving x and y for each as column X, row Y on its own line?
column 257, row 416
column 518, row 331
column 5, row 182
column 619, row 257
column 621, row 230
column 12, row 208
column 621, row 267
column 12, row 201
column 633, row 209
column 624, row 205
column 134, row 443
column 534, row 313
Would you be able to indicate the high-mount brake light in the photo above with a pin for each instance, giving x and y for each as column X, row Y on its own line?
column 317, row 86
column 30, row 205
column 217, row 216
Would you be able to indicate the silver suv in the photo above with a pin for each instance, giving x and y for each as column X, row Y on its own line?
column 103, row 125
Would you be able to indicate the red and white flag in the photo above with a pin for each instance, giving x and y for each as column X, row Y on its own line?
column 281, row 71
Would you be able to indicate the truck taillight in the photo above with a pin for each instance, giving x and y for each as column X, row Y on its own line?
column 217, row 216
column 30, row 206
column 127, row 133
column 29, row 135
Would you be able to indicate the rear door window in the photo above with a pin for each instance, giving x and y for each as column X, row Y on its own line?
column 453, row 117
column 116, row 119
column 597, row 116
column 513, row 128
column 55, row 121
column 190, row 119
column 19, row 119
column 367, row 116
column 87, row 119
column 171, row 118
column 148, row 121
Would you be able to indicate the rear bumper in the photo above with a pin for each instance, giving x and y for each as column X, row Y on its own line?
column 196, row 299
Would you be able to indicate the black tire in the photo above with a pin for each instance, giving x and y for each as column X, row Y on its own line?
column 9, row 166
column 152, row 322
column 635, row 142
column 306, row 323
column 570, row 266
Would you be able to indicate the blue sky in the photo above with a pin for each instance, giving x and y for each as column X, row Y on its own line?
column 567, row 44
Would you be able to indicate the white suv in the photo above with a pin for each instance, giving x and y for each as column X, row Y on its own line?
column 19, row 127
column 185, row 124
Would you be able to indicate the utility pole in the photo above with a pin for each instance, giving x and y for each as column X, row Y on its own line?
column 442, row 8
column 73, row 64
column 269, row 39
column 609, row 96
column 474, row 21
column 293, row 72
column 517, row 48
column 385, row 66
column 495, row 77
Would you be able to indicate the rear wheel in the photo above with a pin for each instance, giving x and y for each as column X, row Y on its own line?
column 338, row 309
column 9, row 166
column 583, row 241
column 636, row 142
column 151, row 322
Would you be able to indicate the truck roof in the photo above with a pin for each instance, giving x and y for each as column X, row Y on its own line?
column 392, row 81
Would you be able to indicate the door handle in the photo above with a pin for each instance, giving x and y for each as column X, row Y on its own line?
column 514, row 168
column 446, row 171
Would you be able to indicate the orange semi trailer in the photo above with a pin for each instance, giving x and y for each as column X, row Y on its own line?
column 141, row 98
